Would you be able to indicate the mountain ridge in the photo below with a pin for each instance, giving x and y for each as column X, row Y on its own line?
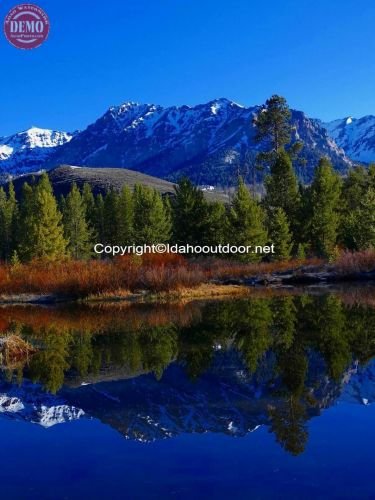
column 209, row 142
column 28, row 150
column 355, row 135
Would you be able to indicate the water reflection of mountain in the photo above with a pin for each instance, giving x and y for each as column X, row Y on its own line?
column 224, row 367
column 226, row 399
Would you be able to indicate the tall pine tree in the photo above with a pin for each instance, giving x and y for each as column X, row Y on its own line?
column 325, row 201
column 282, row 189
column 153, row 224
column 76, row 229
column 111, row 217
column 362, row 222
column 126, row 216
column 89, row 202
column 42, row 234
column 272, row 124
column 279, row 233
column 8, row 218
column 189, row 213
column 246, row 220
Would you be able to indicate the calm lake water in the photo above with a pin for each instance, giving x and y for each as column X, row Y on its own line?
column 269, row 397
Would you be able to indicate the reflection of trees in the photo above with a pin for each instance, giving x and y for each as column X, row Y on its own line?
column 329, row 333
column 288, row 423
column 49, row 364
column 283, row 321
column 159, row 349
column 82, row 354
column 360, row 323
column 195, row 349
column 253, row 338
column 286, row 329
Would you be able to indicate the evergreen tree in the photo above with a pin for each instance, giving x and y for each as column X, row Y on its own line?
column 325, row 198
column 76, row 229
column 61, row 203
column 246, row 219
column 189, row 213
column 354, row 189
column 279, row 233
column 8, row 217
column 303, row 216
column 217, row 224
column 282, row 189
column 41, row 224
column 111, row 217
column 99, row 219
column 3, row 230
column 89, row 202
column 126, row 217
column 273, row 124
column 371, row 175
column 362, row 222
column 24, row 233
column 153, row 224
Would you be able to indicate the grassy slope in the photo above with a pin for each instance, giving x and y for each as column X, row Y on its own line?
column 103, row 178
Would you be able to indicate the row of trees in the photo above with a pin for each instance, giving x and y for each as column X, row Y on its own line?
column 318, row 219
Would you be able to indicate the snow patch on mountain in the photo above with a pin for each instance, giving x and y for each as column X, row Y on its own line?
column 29, row 403
column 10, row 404
column 207, row 142
column 28, row 150
column 49, row 416
column 356, row 136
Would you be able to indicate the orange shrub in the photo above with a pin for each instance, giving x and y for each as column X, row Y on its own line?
column 353, row 262
column 152, row 272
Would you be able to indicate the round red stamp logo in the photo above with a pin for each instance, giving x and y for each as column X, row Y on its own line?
column 26, row 26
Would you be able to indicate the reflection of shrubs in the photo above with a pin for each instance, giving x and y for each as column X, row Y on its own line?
column 14, row 350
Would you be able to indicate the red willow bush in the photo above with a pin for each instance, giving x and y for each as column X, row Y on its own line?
column 130, row 273
column 83, row 278
column 354, row 262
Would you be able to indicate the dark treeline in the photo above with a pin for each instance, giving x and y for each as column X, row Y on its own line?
column 318, row 219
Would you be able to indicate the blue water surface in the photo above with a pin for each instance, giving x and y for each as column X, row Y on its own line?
column 86, row 459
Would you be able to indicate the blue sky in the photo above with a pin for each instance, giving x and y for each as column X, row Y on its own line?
column 319, row 54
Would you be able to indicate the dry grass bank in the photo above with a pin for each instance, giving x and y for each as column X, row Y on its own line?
column 124, row 276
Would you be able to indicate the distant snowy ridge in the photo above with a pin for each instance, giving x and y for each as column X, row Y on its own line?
column 207, row 142
column 29, row 403
column 356, row 136
column 28, row 150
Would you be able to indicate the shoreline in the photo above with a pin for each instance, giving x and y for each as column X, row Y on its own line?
column 287, row 281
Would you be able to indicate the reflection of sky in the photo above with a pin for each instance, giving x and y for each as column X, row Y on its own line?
column 86, row 459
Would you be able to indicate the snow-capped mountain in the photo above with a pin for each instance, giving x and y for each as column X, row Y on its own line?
column 27, row 151
column 30, row 403
column 208, row 142
column 356, row 136
column 225, row 399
